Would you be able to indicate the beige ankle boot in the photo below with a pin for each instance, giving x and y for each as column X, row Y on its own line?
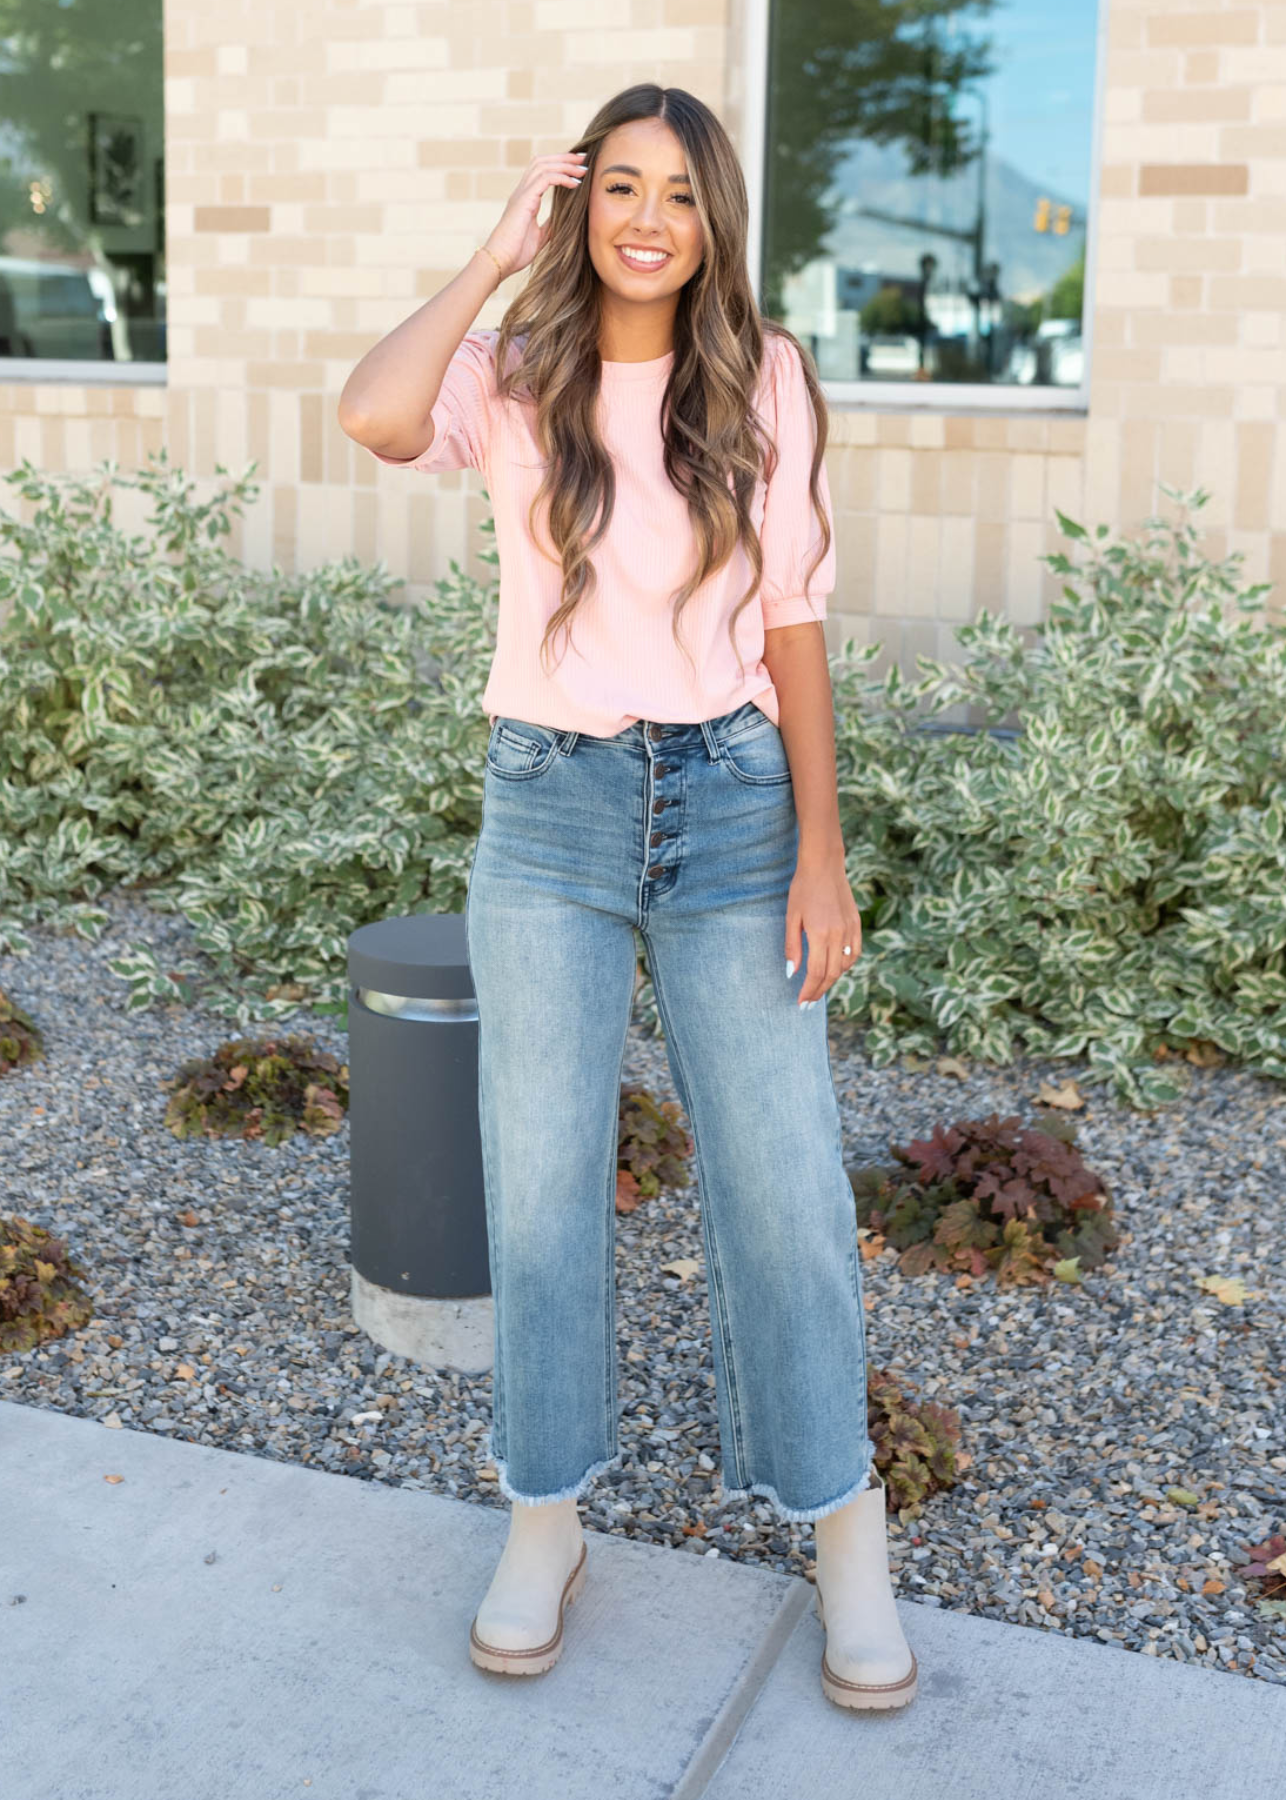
column 518, row 1629
column 867, row 1664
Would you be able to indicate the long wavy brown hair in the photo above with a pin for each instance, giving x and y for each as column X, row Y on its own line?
column 716, row 444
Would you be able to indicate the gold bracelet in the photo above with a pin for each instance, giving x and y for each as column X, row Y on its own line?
column 487, row 252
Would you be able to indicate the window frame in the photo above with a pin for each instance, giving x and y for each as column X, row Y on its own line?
column 71, row 371
column 928, row 396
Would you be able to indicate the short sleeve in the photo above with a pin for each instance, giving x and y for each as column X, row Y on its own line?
column 791, row 534
column 463, row 411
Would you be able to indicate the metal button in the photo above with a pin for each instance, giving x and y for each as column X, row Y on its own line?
column 656, row 869
column 655, row 731
column 659, row 805
column 665, row 768
column 657, row 837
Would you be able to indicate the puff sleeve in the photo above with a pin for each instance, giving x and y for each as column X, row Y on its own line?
column 463, row 411
column 791, row 533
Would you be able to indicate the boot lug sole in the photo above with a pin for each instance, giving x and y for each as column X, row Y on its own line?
column 541, row 1657
column 859, row 1696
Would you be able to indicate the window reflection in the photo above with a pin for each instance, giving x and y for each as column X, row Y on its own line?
column 928, row 165
column 82, row 212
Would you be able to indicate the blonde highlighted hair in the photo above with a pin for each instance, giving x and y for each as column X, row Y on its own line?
column 716, row 445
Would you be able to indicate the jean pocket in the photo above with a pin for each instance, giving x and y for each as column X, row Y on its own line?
column 517, row 750
column 758, row 756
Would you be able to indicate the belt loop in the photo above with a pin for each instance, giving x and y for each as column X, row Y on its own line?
column 567, row 741
column 713, row 750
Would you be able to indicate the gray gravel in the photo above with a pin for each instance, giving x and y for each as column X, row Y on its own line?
column 1079, row 1407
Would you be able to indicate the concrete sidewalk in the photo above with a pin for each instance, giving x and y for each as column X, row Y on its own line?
column 322, row 1652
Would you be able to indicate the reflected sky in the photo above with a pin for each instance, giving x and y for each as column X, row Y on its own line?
column 928, row 168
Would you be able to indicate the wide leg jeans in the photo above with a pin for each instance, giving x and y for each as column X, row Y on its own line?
column 687, row 834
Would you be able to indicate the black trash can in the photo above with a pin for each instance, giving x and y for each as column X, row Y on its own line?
column 421, row 1283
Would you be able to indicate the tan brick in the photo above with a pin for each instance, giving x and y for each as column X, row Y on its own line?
column 990, row 431
column 894, row 478
column 1247, row 292
column 857, row 558
column 923, row 566
column 1256, row 400
column 890, row 562
column 1027, row 486
column 1067, row 435
column 1165, row 106
column 1252, row 219
column 1269, row 103
column 1027, row 431
column 1236, row 25
column 1064, row 487
column 852, row 473
column 1190, row 215
column 1141, row 292
column 1275, row 601
column 1192, row 328
column 1216, row 453
column 926, row 483
column 1260, row 142
column 893, row 430
column 1189, row 254
column 992, row 486
column 1133, row 363
column 959, row 474
column 1194, row 178
column 231, row 218
column 1023, row 587
column 1255, row 441
column 1257, row 64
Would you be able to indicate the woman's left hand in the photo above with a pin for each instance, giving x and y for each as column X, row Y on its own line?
column 821, row 903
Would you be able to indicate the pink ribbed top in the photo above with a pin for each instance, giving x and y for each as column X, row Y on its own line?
column 621, row 663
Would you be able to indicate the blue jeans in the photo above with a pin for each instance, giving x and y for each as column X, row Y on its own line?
column 689, row 834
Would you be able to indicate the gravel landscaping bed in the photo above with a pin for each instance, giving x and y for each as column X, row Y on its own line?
column 1079, row 1407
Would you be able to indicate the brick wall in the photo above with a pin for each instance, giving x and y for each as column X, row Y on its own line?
column 330, row 163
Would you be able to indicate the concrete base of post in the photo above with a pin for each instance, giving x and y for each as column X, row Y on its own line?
column 440, row 1334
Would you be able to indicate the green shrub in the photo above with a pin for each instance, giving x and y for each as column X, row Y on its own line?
column 265, row 1088
column 282, row 758
column 1110, row 883
column 20, row 1039
column 991, row 1196
column 39, row 1295
column 267, row 754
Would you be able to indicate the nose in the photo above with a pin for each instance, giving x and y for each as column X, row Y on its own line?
column 648, row 214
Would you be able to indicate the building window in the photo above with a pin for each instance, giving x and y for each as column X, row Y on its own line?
column 82, row 188
column 927, row 174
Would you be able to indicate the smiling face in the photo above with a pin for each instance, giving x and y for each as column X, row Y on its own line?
column 641, row 200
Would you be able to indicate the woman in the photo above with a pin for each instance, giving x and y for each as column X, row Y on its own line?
column 652, row 449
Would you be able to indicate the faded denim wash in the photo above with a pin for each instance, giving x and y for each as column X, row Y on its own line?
column 687, row 833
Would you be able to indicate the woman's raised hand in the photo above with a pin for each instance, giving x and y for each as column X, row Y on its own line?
column 517, row 237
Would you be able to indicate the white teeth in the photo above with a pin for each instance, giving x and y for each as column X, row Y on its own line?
column 651, row 256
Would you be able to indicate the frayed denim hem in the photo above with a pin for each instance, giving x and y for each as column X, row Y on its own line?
column 574, row 1492
column 799, row 1514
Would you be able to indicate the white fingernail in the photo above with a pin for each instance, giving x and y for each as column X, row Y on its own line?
column 790, row 968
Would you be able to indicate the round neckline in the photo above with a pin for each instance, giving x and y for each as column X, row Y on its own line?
column 647, row 370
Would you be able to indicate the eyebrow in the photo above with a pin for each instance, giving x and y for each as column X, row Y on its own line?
column 625, row 169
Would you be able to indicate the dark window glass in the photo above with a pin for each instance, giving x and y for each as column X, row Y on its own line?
column 82, row 192
column 928, row 165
